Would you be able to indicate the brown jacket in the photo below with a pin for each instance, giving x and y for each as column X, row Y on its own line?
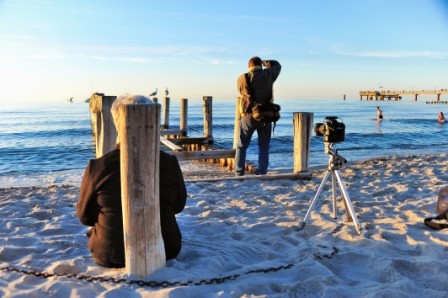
column 262, row 83
column 99, row 206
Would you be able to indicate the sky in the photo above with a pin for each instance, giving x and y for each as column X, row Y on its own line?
column 51, row 50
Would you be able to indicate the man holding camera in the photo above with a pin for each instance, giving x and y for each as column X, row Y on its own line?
column 255, row 86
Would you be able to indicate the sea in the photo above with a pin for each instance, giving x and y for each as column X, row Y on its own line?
column 51, row 143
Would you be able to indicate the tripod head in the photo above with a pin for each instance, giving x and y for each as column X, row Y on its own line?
column 336, row 160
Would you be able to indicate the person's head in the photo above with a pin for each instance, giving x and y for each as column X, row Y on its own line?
column 122, row 100
column 255, row 61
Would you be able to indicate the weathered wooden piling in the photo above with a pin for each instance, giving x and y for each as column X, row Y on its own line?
column 166, row 113
column 103, row 127
column 183, row 116
column 236, row 132
column 139, row 159
column 208, row 117
column 303, row 123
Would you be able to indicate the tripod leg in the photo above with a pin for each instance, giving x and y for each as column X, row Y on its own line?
column 319, row 190
column 348, row 202
column 333, row 186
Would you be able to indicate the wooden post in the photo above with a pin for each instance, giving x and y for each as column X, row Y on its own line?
column 183, row 116
column 208, row 117
column 236, row 130
column 303, row 123
column 166, row 113
column 140, row 158
column 103, row 127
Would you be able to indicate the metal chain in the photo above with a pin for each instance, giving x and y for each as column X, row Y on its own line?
column 162, row 284
column 142, row 283
column 326, row 256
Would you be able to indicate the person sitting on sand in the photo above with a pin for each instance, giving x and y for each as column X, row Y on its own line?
column 441, row 117
column 99, row 204
column 379, row 113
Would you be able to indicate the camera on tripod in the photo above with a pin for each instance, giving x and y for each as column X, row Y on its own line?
column 332, row 130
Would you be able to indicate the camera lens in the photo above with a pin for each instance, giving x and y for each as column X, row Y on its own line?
column 319, row 129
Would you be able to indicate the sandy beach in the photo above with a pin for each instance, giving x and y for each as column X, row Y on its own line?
column 240, row 239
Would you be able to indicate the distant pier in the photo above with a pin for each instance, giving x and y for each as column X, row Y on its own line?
column 397, row 95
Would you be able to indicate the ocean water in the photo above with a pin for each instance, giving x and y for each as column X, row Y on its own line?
column 54, row 141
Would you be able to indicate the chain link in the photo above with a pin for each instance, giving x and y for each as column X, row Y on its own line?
column 163, row 284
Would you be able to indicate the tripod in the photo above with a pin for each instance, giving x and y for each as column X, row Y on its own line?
column 334, row 164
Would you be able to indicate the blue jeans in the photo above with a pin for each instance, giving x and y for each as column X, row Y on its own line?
column 247, row 127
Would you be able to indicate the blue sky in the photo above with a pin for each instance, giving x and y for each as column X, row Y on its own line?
column 51, row 50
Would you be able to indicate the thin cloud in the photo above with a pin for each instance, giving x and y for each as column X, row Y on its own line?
column 140, row 60
column 157, row 54
column 31, row 49
column 222, row 62
column 390, row 54
column 401, row 54
column 182, row 15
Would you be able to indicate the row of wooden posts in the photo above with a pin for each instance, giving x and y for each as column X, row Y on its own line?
column 141, row 133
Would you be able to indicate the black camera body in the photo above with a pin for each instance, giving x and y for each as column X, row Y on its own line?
column 332, row 130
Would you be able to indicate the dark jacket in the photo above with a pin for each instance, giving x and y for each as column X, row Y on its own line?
column 262, row 83
column 99, row 206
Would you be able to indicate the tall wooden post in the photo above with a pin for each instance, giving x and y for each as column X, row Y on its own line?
column 140, row 158
column 183, row 116
column 103, row 127
column 236, row 130
column 208, row 117
column 166, row 113
column 303, row 123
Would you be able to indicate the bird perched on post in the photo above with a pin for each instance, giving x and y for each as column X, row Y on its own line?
column 154, row 93
column 166, row 91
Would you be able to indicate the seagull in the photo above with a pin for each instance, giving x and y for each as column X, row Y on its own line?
column 154, row 93
column 71, row 99
column 167, row 92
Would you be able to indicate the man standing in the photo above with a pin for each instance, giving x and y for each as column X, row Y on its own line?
column 255, row 86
